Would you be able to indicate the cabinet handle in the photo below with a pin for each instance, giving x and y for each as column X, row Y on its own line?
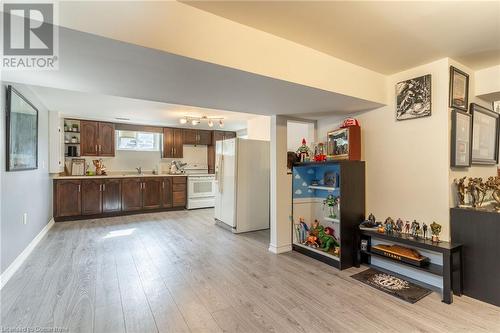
column 79, row 187
column 103, row 187
column 100, row 187
column 100, row 148
column 162, row 184
column 96, row 148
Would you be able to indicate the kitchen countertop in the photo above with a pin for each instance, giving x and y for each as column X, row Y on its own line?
column 120, row 175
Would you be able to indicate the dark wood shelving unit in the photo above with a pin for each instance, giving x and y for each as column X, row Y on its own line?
column 450, row 271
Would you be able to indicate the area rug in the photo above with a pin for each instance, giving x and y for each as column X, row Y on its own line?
column 392, row 285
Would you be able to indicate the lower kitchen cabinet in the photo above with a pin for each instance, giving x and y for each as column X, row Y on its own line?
column 91, row 197
column 131, row 194
column 151, row 193
column 111, row 195
column 67, row 198
column 82, row 198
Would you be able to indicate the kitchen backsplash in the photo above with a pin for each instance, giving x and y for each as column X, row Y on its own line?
column 129, row 160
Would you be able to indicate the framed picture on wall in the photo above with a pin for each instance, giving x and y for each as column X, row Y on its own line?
column 21, row 131
column 459, row 89
column 485, row 135
column 461, row 136
column 413, row 98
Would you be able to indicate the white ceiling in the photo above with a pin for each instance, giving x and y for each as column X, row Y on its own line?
column 385, row 36
column 102, row 66
column 109, row 108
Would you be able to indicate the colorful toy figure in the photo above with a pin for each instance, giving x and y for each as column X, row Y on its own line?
column 415, row 229
column 331, row 202
column 389, row 225
column 399, row 225
column 424, row 228
column 407, row 227
column 436, row 230
column 319, row 152
column 303, row 153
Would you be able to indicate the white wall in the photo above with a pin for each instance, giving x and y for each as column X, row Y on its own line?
column 23, row 191
column 259, row 128
column 296, row 131
column 487, row 83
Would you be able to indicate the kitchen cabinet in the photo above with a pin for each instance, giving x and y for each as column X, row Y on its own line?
column 151, row 193
column 172, row 142
column 106, row 139
column 97, row 138
column 132, row 194
column 216, row 136
column 179, row 191
column 100, row 197
column 166, row 192
column 91, row 197
column 67, row 198
column 111, row 195
column 197, row 137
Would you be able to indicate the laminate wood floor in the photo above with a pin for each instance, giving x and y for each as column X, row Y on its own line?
column 178, row 272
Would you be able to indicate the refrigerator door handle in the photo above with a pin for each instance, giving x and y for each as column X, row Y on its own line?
column 221, row 173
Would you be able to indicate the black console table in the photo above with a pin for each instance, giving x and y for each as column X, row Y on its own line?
column 479, row 232
column 450, row 271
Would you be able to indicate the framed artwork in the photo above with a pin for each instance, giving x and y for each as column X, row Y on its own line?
column 461, row 135
column 485, row 135
column 459, row 89
column 496, row 106
column 22, row 132
column 78, row 167
column 413, row 98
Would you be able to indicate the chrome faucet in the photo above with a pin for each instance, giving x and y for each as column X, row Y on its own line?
column 139, row 170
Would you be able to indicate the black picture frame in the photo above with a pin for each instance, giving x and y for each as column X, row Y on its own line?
column 456, row 103
column 414, row 98
column 458, row 143
column 477, row 110
column 11, row 93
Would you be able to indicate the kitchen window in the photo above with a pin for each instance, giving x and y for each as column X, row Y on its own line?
column 138, row 141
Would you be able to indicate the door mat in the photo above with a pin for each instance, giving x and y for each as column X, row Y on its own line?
column 405, row 290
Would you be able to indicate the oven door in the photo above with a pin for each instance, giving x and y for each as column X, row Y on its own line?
column 200, row 187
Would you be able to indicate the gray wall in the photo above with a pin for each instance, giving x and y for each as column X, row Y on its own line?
column 23, row 191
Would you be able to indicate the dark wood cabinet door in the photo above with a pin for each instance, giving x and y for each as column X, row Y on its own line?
column 178, row 143
column 111, row 195
column 89, row 134
column 166, row 192
column 151, row 193
column 168, row 143
column 217, row 136
column 190, row 136
column 91, row 197
column 131, row 194
column 229, row 135
column 204, row 137
column 106, row 139
column 211, row 158
column 179, row 191
column 68, row 198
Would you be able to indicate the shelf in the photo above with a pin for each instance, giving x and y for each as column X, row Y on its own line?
column 77, row 132
column 312, row 249
column 324, row 188
column 72, row 143
column 331, row 219
column 430, row 268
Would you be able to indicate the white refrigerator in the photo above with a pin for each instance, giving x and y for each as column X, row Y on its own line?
column 242, row 184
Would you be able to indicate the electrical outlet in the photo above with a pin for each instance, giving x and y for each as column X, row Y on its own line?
column 25, row 218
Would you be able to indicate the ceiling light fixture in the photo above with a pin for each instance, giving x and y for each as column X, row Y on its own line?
column 193, row 120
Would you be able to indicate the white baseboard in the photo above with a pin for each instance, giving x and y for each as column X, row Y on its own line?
column 14, row 266
column 280, row 249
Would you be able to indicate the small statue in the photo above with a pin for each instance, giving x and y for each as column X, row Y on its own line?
column 389, row 225
column 100, row 169
column 415, row 228
column 493, row 185
column 304, row 153
column 371, row 218
column 471, row 189
column 460, row 183
column 399, row 225
column 424, row 228
column 436, row 230
column 407, row 227
column 331, row 202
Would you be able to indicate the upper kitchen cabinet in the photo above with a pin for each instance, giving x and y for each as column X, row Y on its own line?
column 97, row 138
column 197, row 137
column 172, row 142
column 222, row 135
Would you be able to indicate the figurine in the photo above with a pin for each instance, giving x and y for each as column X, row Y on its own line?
column 424, row 228
column 407, row 227
column 371, row 218
column 100, row 169
column 327, row 238
column 319, row 153
column 460, row 190
column 389, row 225
column 493, row 184
column 415, row 229
column 303, row 153
column 436, row 230
column 331, row 202
column 399, row 225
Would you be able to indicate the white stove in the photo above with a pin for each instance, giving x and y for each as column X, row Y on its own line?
column 201, row 187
